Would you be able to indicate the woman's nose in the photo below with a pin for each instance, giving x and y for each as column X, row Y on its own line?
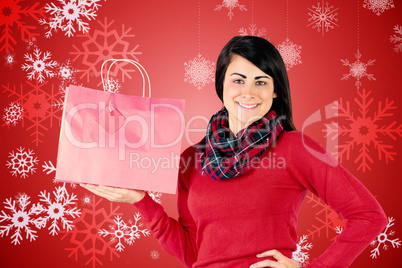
column 248, row 91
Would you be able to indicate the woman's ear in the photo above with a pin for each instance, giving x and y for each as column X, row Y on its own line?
column 274, row 95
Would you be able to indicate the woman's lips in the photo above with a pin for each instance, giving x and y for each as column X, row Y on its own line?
column 247, row 106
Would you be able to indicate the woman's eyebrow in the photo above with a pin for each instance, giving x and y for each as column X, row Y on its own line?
column 259, row 77
column 245, row 77
column 242, row 75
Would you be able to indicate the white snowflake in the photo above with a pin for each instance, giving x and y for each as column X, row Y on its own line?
column 116, row 234
column 66, row 73
column 253, row 30
column 86, row 200
column 358, row 69
column 48, row 167
column 31, row 43
column 20, row 219
column 113, row 85
column 13, row 114
column 9, row 59
column 338, row 229
column 323, row 17
column 199, row 71
column 22, row 162
column 156, row 196
column 154, row 254
column 378, row 6
column 19, row 196
column 397, row 39
column 59, row 104
column 38, row 66
column 123, row 232
column 134, row 230
column 383, row 238
column 70, row 14
column 72, row 185
column 301, row 254
column 231, row 4
column 291, row 53
column 59, row 209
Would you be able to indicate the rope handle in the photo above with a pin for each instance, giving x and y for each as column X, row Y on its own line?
column 136, row 64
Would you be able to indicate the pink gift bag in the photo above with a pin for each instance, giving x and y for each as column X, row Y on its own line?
column 120, row 140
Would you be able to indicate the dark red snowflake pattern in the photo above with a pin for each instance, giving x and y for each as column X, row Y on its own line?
column 326, row 219
column 102, row 44
column 367, row 128
column 14, row 16
column 37, row 100
column 86, row 243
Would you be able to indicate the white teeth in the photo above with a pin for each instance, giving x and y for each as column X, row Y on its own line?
column 247, row 106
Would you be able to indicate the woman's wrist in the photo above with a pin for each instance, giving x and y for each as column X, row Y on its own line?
column 137, row 197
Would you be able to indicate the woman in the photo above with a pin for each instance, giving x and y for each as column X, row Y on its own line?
column 239, row 197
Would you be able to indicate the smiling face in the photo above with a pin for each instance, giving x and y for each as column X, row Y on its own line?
column 248, row 93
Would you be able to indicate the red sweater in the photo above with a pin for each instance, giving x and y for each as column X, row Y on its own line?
column 226, row 223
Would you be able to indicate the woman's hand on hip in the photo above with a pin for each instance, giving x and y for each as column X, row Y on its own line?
column 115, row 194
column 281, row 260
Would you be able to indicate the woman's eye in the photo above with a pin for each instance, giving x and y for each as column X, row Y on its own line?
column 260, row 83
column 238, row 81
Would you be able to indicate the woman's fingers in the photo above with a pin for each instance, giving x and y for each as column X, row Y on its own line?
column 115, row 194
column 281, row 260
column 266, row 263
column 271, row 253
column 105, row 193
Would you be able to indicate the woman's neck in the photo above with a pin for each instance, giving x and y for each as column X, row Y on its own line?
column 236, row 127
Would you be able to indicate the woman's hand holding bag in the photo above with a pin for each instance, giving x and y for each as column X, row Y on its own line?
column 115, row 194
column 281, row 260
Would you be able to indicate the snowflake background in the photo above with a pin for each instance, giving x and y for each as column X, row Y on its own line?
column 291, row 53
column 22, row 162
column 301, row 254
column 378, row 7
column 199, row 72
column 17, row 22
column 231, row 5
column 323, row 17
column 13, row 114
column 396, row 38
column 363, row 77
column 70, row 16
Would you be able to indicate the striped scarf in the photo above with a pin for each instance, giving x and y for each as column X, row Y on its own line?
column 221, row 155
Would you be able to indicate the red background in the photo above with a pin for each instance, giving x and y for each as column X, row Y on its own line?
column 168, row 34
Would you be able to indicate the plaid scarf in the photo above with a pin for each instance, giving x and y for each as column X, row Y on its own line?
column 221, row 155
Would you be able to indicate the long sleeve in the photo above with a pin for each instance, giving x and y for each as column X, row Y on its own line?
column 321, row 174
column 177, row 237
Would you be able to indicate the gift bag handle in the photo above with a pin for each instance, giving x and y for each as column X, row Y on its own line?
column 136, row 64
